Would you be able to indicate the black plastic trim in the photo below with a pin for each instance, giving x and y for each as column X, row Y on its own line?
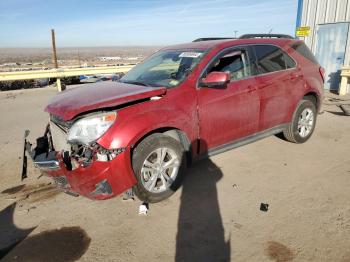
column 212, row 38
column 244, row 141
column 249, row 36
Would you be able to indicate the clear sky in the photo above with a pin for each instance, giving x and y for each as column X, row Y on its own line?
column 27, row 23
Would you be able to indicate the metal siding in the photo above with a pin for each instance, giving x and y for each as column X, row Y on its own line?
column 312, row 22
column 305, row 12
column 316, row 12
column 348, row 11
column 331, row 10
column 319, row 18
column 341, row 11
column 314, row 25
column 321, row 11
column 305, row 16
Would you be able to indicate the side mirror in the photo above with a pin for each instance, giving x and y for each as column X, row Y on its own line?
column 216, row 80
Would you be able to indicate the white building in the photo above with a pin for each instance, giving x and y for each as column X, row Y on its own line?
column 110, row 58
column 328, row 37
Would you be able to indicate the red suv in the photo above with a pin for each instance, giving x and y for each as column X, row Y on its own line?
column 182, row 103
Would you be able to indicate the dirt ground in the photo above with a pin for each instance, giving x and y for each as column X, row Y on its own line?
column 214, row 216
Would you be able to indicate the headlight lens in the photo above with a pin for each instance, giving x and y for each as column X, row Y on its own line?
column 88, row 129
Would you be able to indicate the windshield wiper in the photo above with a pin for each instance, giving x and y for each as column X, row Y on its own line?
column 135, row 83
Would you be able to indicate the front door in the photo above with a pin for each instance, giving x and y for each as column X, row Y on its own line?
column 226, row 115
column 330, row 51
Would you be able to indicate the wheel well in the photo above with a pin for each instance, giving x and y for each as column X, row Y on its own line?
column 175, row 133
column 313, row 98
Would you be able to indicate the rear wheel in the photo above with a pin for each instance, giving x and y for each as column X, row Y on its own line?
column 158, row 163
column 303, row 123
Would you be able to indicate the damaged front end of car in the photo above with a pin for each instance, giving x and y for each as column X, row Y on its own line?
column 69, row 154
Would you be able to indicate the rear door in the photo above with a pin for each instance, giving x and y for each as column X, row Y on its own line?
column 232, row 113
column 278, row 78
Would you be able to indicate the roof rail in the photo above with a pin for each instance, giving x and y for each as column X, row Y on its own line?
column 247, row 36
column 211, row 38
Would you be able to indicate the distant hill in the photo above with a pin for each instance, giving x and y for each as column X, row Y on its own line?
column 43, row 55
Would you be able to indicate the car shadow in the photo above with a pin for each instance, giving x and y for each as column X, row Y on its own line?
column 61, row 245
column 201, row 235
column 10, row 235
column 336, row 113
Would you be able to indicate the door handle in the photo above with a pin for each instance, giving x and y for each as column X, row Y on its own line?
column 251, row 89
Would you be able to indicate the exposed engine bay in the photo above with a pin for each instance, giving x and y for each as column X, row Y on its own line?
column 74, row 154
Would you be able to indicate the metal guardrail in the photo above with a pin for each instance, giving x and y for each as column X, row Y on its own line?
column 61, row 73
column 345, row 75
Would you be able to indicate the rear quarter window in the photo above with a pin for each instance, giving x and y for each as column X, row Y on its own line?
column 271, row 58
column 290, row 63
column 303, row 50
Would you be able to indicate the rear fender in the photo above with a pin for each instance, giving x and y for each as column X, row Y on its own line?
column 306, row 91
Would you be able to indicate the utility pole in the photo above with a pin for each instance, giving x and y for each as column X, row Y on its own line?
column 235, row 33
column 54, row 58
column 54, row 54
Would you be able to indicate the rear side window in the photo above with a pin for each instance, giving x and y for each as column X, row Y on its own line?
column 303, row 50
column 271, row 59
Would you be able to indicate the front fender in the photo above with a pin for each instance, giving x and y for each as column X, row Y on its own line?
column 132, row 125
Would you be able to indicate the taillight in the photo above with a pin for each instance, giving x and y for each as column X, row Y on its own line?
column 322, row 73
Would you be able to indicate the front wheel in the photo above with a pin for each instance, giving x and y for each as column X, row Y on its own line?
column 158, row 163
column 303, row 123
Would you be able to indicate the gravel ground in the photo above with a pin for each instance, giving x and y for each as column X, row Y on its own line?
column 215, row 216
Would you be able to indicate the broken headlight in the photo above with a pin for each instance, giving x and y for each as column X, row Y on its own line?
column 88, row 129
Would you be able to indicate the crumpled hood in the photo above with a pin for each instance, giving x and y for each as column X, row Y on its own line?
column 75, row 101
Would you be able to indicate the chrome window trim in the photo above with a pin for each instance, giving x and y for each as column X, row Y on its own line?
column 227, row 49
column 245, row 48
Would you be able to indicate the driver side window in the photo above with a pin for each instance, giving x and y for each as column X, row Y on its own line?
column 234, row 63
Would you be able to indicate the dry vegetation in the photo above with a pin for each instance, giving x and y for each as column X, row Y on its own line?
column 41, row 57
column 13, row 59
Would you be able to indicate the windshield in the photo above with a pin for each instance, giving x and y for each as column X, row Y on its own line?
column 165, row 68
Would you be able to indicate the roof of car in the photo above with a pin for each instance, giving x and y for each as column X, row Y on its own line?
column 222, row 43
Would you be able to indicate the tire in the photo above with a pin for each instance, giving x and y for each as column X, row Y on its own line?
column 301, row 128
column 156, row 181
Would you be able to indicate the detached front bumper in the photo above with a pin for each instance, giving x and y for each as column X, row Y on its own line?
column 98, row 180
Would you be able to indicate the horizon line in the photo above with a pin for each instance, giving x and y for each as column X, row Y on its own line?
column 97, row 46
